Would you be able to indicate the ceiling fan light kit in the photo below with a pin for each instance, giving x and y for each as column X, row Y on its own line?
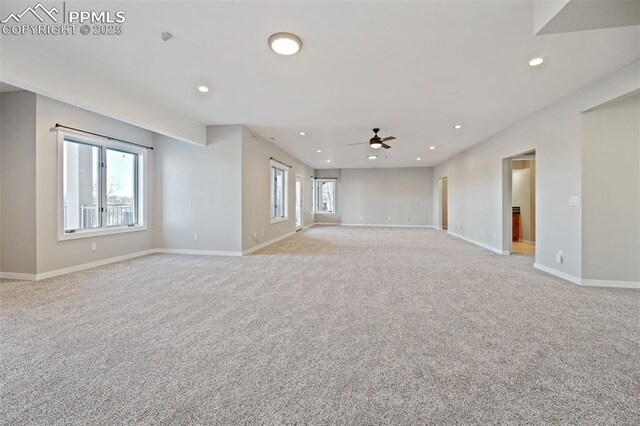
column 376, row 141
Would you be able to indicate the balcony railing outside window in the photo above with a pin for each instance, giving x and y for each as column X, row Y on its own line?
column 117, row 215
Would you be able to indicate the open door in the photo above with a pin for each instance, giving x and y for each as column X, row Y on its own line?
column 444, row 203
column 520, row 204
column 298, row 202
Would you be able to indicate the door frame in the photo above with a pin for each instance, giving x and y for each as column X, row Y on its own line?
column 507, row 200
column 441, row 182
column 300, row 202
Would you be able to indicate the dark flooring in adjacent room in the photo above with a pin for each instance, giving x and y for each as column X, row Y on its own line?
column 334, row 325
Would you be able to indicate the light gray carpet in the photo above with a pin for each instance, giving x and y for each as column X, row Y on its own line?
column 336, row 325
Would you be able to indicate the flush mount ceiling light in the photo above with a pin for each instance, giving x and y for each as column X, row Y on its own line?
column 203, row 89
column 319, row 151
column 285, row 43
column 372, row 157
column 432, row 147
column 418, row 158
column 303, row 133
column 536, row 61
column 328, row 161
column 457, row 126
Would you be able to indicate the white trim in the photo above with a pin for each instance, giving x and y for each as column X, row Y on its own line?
column 17, row 276
column 308, row 226
column 90, row 265
column 142, row 188
column 266, row 243
column 327, row 224
column 478, row 243
column 198, row 252
column 557, row 273
column 100, row 232
column 388, row 225
column 610, row 283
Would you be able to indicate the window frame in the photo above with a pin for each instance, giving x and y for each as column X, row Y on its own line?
column 317, row 187
column 140, row 187
column 285, row 193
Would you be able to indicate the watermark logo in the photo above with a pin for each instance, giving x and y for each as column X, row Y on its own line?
column 33, row 10
column 60, row 19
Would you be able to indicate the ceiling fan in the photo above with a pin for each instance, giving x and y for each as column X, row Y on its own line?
column 376, row 141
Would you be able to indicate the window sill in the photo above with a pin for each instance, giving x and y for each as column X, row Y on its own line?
column 90, row 233
column 279, row 220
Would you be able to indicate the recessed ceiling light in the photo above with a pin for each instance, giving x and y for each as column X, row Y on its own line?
column 319, row 150
column 432, row 147
column 203, row 89
column 418, row 158
column 372, row 157
column 303, row 133
column 536, row 61
column 458, row 126
column 328, row 161
column 285, row 43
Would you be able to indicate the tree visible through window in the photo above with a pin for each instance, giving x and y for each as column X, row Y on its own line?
column 325, row 195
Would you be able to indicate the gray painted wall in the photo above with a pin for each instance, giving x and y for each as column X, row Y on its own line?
column 256, row 190
column 476, row 175
column 18, row 182
column 200, row 192
column 53, row 254
column 611, row 191
column 387, row 196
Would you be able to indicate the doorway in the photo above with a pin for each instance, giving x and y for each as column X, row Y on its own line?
column 444, row 203
column 298, row 202
column 521, row 203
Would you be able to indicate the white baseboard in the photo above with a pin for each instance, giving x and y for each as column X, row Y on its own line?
column 375, row 225
column 308, row 226
column 198, row 252
column 478, row 243
column 327, row 224
column 90, row 265
column 266, row 243
column 559, row 274
column 17, row 276
column 609, row 283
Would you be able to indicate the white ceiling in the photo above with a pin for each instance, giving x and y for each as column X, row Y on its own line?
column 414, row 69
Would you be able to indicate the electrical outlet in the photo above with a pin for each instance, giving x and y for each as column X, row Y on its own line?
column 195, row 237
column 574, row 200
column 559, row 257
column 389, row 218
column 482, row 233
column 360, row 217
column 94, row 246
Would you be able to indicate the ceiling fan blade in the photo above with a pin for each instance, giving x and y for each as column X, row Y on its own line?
column 361, row 143
column 385, row 146
column 388, row 138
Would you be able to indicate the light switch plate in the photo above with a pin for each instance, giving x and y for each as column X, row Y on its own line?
column 574, row 200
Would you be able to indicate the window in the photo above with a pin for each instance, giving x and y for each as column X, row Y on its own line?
column 279, row 196
column 325, row 196
column 102, row 185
